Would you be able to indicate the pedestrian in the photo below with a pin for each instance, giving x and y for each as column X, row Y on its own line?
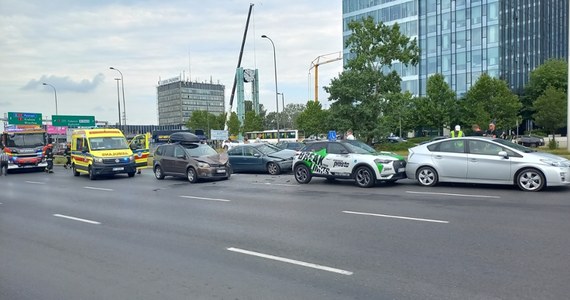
column 67, row 154
column 349, row 135
column 245, row 140
column 49, row 158
column 258, row 138
column 491, row 132
column 3, row 162
column 476, row 130
column 457, row 133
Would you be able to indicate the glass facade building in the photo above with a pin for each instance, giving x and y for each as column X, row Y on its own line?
column 463, row 39
column 178, row 99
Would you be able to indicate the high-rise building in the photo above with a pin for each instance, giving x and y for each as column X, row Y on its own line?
column 178, row 99
column 462, row 39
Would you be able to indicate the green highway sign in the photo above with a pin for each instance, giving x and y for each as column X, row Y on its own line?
column 19, row 118
column 73, row 121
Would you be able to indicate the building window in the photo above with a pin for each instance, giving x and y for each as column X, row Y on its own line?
column 460, row 39
column 431, row 45
column 431, row 24
column 493, row 34
column 445, row 21
column 476, row 37
column 493, row 56
column 476, row 15
column 493, row 11
column 460, row 18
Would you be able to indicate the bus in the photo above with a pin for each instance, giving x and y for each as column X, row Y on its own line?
column 270, row 136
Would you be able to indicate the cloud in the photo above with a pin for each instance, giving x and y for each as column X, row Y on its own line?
column 65, row 83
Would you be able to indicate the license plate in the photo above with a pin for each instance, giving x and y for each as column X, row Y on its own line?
column 221, row 171
column 401, row 170
column 118, row 169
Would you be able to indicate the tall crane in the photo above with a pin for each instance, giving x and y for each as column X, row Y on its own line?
column 321, row 60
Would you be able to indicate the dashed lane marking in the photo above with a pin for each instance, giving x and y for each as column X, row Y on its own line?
column 77, row 219
column 207, row 199
column 454, row 195
column 394, row 217
column 97, row 189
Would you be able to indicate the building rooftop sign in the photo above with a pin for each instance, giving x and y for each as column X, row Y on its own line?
column 167, row 81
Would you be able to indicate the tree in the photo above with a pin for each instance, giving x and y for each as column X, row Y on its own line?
column 270, row 121
column 550, row 109
column 312, row 119
column 201, row 119
column 487, row 100
column 399, row 113
column 290, row 114
column 553, row 72
column 362, row 89
column 234, row 124
column 252, row 122
column 440, row 104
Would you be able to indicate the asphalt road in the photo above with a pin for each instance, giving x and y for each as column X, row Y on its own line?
column 267, row 237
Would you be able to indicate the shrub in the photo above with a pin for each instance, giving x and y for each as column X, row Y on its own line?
column 552, row 144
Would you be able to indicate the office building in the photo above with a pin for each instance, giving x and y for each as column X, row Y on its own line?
column 177, row 100
column 463, row 39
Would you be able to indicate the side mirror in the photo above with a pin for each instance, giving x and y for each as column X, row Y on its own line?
column 181, row 156
column 503, row 154
column 256, row 155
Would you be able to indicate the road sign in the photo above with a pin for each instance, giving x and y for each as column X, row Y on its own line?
column 219, row 135
column 332, row 135
column 73, row 121
column 18, row 118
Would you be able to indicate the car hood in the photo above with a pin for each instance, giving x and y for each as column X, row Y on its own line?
column 544, row 155
column 220, row 159
column 283, row 154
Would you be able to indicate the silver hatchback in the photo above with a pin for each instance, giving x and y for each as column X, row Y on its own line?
column 486, row 161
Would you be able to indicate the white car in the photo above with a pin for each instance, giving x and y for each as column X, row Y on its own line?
column 342, row 160
column 229, row 144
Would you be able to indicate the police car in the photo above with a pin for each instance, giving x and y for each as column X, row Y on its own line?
column 344, row 160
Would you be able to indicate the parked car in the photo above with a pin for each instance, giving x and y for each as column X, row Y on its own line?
column 229, row 144
column 436, row 138
column 260, row 157
column 290, row 145
column 186, row 157
column 530, row 141
column 342, row 160
column 486, row 161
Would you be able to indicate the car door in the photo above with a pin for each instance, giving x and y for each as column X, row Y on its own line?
column 180, row 160
column 140, row 146
column 450, row 159
column 235, row 156
column 485, row 163
column 338, row 159
column 252, row 159
column 167, row 159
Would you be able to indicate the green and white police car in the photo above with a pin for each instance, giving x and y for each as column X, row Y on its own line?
column 345, row 160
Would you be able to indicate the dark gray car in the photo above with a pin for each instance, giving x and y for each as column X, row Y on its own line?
column 261, row 157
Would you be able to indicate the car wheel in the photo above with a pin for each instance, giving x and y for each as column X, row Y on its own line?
column 91, row 174
column 530, row 180
column 273, row 168
column 191, row 175
column 364, row 177
column 131, row 174
column 302, row 174
column 75, row 173
column 427, row 176
column 158, row 173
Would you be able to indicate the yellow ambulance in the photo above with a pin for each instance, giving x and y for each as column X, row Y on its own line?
column 102, row 151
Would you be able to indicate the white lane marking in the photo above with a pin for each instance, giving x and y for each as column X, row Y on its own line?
column 291, row 261
column 457, row 195
column 98, row 189
column 35, row 182
column 76, row 219
column 394, row 217
column 204, row 198
column 281, row 184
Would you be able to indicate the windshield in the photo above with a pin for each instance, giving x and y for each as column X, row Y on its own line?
column 29, row 140
column 355, row 149
column 197, row 150
column 267, row 149
column 108, row 143
column 514, row 146
column 361, row 145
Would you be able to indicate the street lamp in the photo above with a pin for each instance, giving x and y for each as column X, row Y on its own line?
column 123, row 88
column 276, row 93
column 55, row 93
column 119, row 101
column 283, row 107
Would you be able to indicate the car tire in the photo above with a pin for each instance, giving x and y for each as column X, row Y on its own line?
column 91, row 174
column 75, row 172
column 302, row 174
column 191, row 175
column 364, row 177
column 427, row 176
column 530, row 180
column 273, row 168
column 131, row 174
column 158, row 173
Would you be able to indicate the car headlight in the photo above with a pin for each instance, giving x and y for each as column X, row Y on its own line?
column 203, row 165
column 132, row 158
column 97, row 159
column 555, row 163
column 382, row 161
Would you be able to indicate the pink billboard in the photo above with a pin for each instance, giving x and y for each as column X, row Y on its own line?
column 56, row 129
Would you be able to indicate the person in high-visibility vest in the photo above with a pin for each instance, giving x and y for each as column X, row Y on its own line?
column 457, row 133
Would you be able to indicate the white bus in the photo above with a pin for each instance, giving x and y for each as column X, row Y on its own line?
column 270, row 136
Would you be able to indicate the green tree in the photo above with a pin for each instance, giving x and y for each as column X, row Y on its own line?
column 290, row 114
column 550, row 109
column 270, row 121
column 252, row 122
column 312, row 119
column 362, row 90
column 490, row 99
column 198, row 120
column 553, row 72
column 234, row 124
column 399, row 113
column 436, row 109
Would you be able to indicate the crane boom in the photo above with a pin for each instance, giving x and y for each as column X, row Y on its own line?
column 321, row 60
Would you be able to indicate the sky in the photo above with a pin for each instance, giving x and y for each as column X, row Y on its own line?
column 71, row 45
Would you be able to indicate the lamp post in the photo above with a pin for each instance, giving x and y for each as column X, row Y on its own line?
column 276, row 93
column 55, row 93
column 123, row 88
column 119, row 101
column 283, row 108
